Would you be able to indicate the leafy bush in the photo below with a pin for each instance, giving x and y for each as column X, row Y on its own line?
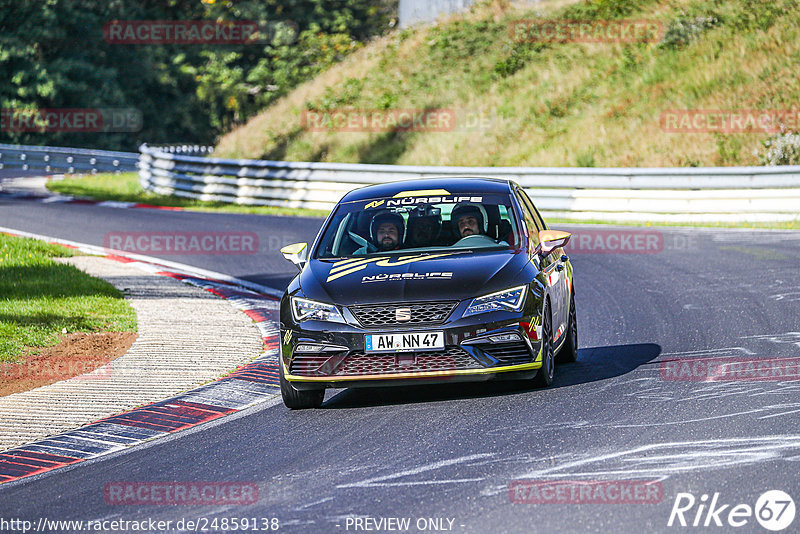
column 762, row 14
column 782, row 149
column 338, row 97
column 603, row 9
column 463, row 40
column 686, row 29
column 188, row 93
column 511, row 63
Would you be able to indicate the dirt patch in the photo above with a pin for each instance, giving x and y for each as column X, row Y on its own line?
column 76, row 354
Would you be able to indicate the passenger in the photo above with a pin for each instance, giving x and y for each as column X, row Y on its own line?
column 469, row 219
column 424, row 227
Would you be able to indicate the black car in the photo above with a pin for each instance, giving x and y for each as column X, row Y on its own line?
column 427, row 281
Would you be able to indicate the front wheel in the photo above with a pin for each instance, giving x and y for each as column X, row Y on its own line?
column 544, row 377
column 569, row 352
column 297, row 399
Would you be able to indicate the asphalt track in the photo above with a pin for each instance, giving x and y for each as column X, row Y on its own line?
column 452, row 451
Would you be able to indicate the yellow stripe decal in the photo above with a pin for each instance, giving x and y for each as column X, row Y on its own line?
column 427, row 374
column 345, row 273
column 422, row 193
column 343, row 269
column 402, row 260
column 357, row 262
column 345, row 262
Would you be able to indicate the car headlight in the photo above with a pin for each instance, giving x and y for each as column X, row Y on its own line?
column 305, row 310
column 508, row 300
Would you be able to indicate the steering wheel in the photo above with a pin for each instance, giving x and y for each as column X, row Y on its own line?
column 475, row 241
column 363, row 242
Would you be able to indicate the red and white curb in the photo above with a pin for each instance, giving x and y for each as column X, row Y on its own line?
column 50, row 198
column 248, row 385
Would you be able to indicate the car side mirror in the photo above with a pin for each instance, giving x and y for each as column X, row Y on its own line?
column 549, row 240
column 296, row 253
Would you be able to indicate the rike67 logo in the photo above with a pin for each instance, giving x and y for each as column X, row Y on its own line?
column 774, row 510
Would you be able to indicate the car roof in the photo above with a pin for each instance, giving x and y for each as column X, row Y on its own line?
column 454, row 185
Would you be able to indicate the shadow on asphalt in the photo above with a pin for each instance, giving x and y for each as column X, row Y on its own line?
column 594, row 364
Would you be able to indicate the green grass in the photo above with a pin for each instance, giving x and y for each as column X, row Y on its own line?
column 549, row 104
column 125, row 187
column 40, row 297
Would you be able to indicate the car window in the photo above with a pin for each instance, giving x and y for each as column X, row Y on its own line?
column 530, row 220
column 532, row 210
column 420, row 224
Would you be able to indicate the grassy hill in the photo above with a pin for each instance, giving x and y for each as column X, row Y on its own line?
column 545, row 103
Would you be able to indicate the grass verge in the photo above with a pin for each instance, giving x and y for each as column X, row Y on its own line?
column 520, row 102
column 125, row 187
column 40, row 298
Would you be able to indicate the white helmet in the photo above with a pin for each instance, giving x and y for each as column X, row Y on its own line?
column 468, row 208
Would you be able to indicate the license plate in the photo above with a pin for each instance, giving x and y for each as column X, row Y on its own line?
column 404, row 342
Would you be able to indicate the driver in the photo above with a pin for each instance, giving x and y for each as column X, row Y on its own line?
column 469, row 219
column 387, row 230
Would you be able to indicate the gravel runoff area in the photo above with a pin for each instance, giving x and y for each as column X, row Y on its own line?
column 187, row 337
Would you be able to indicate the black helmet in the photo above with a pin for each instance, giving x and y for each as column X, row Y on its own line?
column 466, row 208
column 387, row 216
column 424, row 213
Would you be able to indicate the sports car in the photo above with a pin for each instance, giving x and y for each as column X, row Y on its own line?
column 427, row 281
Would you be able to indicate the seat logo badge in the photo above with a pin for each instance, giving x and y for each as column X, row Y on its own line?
column 402, row 314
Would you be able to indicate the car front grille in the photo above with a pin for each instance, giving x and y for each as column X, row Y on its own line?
column 450, row 359
column 359, row 363
column 422, row 313
column 313, row 364
column 508, row 353
column 306, row 365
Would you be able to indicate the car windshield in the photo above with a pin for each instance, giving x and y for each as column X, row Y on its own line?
column 419, row 225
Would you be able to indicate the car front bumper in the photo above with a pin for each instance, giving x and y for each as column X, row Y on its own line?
column 469, row 355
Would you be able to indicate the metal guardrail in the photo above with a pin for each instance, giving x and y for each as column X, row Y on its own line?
column 618, row 194
column 186, row 150
column 410, row 12
column 56, row 160
column 611, row 194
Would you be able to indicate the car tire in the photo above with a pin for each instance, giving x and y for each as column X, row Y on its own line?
column 297, row 399
column 544, row 377
column 569, row 352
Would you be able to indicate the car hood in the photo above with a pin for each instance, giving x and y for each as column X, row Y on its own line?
column 413, row 277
